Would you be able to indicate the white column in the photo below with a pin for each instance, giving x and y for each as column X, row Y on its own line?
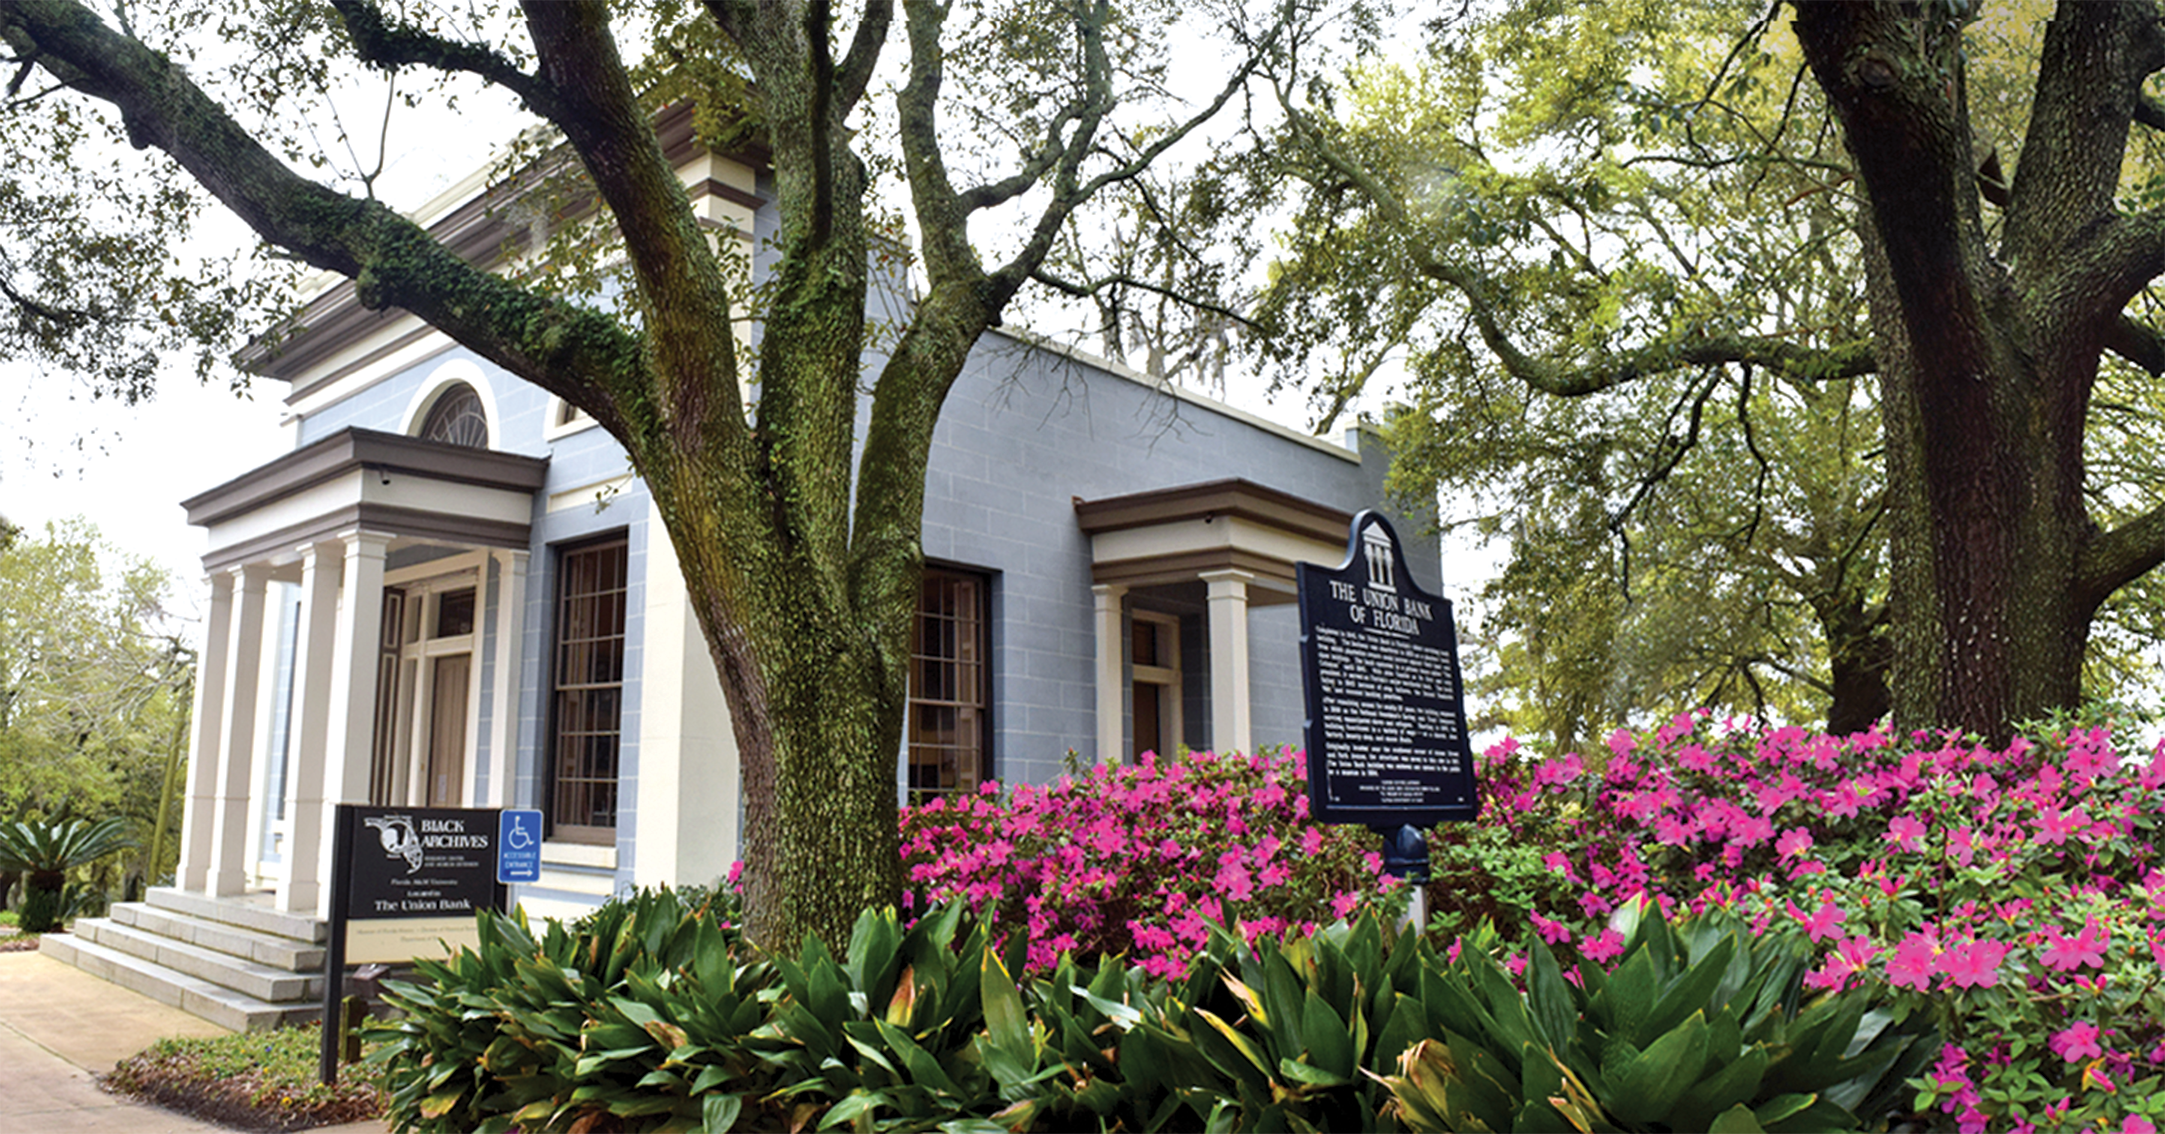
column 203, row 746
column 229, row 850
column 301, row 888
column 504, row 707
column 1111, row 673
column 1229, row 716
column 350, row 726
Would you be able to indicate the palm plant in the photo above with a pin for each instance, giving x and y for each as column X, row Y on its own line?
column 45, row 852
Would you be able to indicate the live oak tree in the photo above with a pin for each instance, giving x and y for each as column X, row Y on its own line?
column 1623, row 311
column 1667, row 222
column 804, row 587
column 1989, row 343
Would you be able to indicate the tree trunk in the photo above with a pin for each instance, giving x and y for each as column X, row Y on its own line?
column 1858, row 656
column 1987, row 356
column 1985, row 527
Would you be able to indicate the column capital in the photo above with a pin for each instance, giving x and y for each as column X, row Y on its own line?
column 1226, row 578
column 253, row 575
column 365, row 541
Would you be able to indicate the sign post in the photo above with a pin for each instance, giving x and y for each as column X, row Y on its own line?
column 1386, row 713
column 405, row 883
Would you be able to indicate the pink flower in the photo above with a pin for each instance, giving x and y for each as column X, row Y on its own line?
column 1826, row 922
column 1848, row 959
column 2077, row 1043
column 1559, row 772
column 2137, row 1124
column 1904, row 832
column 1550, row 931
column 1975, row 964
column 1603, row 948
column 2053, row 828
column 1793, row 842
column 2084, row 950
column 1915, row 961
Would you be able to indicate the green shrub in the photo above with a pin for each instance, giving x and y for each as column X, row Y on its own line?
column 650, row 1015
column 1699, row 1027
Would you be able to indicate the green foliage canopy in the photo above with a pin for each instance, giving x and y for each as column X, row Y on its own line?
column 95, row 681
column 1614, row 251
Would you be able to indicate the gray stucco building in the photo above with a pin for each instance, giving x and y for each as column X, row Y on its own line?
column 453, row 592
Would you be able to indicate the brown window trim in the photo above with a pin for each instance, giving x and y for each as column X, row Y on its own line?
column 947, row 732
column 588, row 696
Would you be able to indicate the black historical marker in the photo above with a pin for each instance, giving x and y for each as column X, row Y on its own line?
column 405, row 883
column 1387, row 745
column 422, row 862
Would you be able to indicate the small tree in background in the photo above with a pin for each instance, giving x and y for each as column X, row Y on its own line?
column 94, row 691
column 45, row 852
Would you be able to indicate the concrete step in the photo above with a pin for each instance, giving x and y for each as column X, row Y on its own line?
column 263, row 948
column 244, row 976
column 246, row 913
column 221, row 1006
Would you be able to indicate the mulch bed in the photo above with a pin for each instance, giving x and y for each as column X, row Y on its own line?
column 241, row 1102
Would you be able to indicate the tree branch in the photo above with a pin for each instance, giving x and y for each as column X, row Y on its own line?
column 2089, row 81
column 389, row 45
column 1068, row 196
column 2138, row 343
column 864, row 54
column 562, row 348
column 2150, row 112
column 1688, row 350
column 602, row 119
column 2119, row 557
column 1122, row 279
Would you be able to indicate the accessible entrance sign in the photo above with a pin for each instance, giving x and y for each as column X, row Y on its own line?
column 1386, row 727
column 518, row 846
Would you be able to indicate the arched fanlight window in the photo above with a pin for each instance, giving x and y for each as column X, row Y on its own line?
column 457, row 419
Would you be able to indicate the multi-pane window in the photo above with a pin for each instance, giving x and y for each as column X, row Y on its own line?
column 457, row 419
column 950, row 713
column 587, row 707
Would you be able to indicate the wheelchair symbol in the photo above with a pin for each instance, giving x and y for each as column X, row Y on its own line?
column 518, row 839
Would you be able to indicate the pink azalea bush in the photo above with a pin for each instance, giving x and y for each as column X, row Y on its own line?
column 1144, row 858
column 2012, row 892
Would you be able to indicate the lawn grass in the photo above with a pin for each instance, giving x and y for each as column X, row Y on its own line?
column 250, row 1081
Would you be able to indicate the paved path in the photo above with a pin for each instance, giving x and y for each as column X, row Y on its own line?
column 60, row 1028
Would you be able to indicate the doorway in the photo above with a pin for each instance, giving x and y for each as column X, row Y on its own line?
column 428, row 690
column 447, row 729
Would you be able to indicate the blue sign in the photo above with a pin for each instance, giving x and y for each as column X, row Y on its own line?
column 518, row 846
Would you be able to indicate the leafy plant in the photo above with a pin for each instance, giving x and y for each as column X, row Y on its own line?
column 646, row 1015
column 1141, row 859
column 1700, row 1028
column 45, row 852
column 2008, row 894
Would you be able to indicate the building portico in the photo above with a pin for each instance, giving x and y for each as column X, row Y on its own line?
column 383, row 551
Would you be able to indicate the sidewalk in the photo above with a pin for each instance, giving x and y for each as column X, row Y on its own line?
column 60, row 1028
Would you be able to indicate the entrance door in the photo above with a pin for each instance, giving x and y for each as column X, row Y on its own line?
column 447, row 729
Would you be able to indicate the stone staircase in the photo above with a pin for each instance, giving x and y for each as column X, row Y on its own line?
column 234, row 961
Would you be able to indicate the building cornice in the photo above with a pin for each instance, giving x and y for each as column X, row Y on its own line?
column 369, row 450
column 1207, row 500
column 473, row 224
